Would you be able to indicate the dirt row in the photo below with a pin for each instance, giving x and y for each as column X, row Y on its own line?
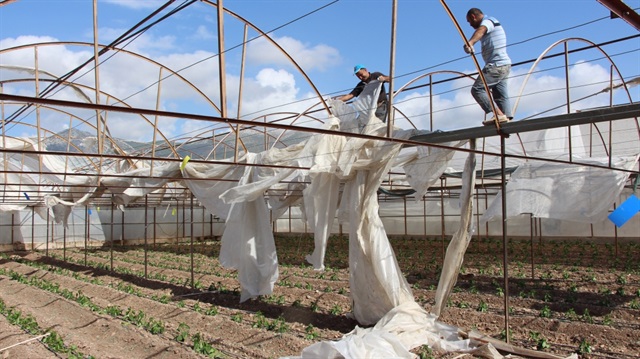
column 566, row 308
column 92, row 334
column 11, row 337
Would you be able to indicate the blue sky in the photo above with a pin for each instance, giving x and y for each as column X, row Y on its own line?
column 326, row 44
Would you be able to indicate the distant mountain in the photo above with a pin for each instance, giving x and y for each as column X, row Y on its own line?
column 85, row 142
column 82, row 141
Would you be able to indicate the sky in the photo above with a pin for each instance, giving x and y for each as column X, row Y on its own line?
column 326, row 39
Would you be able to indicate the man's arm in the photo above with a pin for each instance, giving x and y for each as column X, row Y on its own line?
column 477, row 35
column 345, row 98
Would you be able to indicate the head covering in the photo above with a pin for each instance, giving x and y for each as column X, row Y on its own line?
column 358, row 68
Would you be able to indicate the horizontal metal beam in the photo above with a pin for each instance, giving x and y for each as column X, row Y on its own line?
column 572, row 119
column 623, row 11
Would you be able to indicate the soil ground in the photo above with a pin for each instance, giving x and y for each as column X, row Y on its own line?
column 569, row 296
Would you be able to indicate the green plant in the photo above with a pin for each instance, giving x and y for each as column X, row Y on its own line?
column 586, row 316
column 154, row 326
column 198, row 285
column 425, row 352
column 278, row 325
column 541, row 342
column 201, row 346
column 482, row 307
column 310, row 332
column 336, row 310
column 584, row 347
column 462, row 304
column 237, row 317
column 183, row 332
column 545, row 312
column 113, row 310
column 213, row 310
column 136, row 318
column 260, row 321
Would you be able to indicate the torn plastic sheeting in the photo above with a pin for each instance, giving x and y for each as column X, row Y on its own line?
column 561, row 191
column 247, row 242
column 403, row 328
column 139, row 182
column 212, row 181
column 430, row 164
column 461, row 238
column 377, row 284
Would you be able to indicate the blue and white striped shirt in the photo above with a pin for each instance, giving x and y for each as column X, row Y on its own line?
column 494, row 43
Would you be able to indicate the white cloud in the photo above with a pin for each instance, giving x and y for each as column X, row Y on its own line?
column 137, row 4
column 547, row 93
column 202, row 33
column 269, row 89
column 23, row 40
column 145, row 44
column 318, row 57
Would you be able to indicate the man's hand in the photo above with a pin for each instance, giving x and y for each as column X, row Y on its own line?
column 468, row 49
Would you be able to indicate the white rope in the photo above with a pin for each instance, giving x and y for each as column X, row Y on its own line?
column 26, row 341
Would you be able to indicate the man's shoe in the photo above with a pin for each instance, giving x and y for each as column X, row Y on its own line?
column 501, row 119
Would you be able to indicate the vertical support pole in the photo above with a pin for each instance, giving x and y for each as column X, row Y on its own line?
column 442, row 215
column 13, row 227
column 112, row 236
column 392, row 63
column 184, row 219
column 155, row 121
column 505, row 262
column 531, row 225
column 146, row 226
column 122, row 226
column 486, row 206
column 566, row 75
column 477, row 209
column 193, row 283
column 64, row 243
column 33, row 229
column 96, row 53
column 404, row 203
column 615, row 232
column 431, row 103
column 177, row 222
column 46, row 248
column 154, row 227
column 424, row 215
column 204, row 241
column 86, row 233
column 610, row 122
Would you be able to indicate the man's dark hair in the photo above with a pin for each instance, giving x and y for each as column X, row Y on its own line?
column 474, row 11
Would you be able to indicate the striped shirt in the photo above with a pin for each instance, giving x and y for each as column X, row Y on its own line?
column 494, row 43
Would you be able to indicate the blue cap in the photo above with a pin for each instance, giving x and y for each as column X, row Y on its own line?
column 358, row 68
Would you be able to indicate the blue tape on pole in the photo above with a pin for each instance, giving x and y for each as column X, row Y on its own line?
column 627, row 209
